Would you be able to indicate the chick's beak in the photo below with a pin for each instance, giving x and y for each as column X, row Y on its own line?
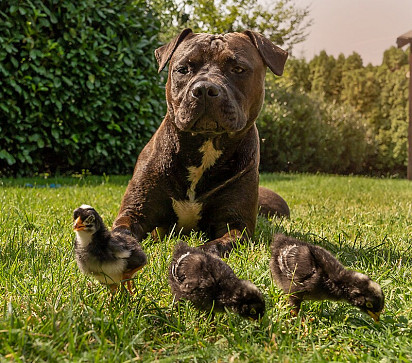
column 374, row 316
column 78, row 224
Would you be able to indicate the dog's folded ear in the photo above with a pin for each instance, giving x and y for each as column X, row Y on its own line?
column 272, row 55
column 165, row 52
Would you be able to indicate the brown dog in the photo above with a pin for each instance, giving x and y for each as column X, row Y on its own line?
column 200, row 169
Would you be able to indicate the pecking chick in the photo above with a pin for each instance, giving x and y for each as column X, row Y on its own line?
column 110, row 257
column 309, row 272
column 208, row 282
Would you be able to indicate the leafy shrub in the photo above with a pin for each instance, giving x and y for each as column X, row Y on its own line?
column 390, row 120
column 300, row 133
column 379, row 94
column 78, row 85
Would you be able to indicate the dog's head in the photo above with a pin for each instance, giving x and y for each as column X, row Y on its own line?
column 216, row 82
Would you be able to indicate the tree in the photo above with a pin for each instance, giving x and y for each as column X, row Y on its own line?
column 361, row 89
column 389, row 121
column 321, row 70
column 394, row 58
column 296, row 77
column 282, row 22
column 375, row 96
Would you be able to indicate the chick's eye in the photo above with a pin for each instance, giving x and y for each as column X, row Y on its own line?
column 253, row 311
column 238, row 70
column 89, row 219
column 369, row 305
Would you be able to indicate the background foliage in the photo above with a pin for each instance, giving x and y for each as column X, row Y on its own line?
column 79, row 88
column 336, row 115
column 78, row 84
column 302, row 133
column 281, row 21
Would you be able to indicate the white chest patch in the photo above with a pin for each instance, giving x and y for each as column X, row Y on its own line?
column 210, row 155
column 189, row 211
column 84, row 238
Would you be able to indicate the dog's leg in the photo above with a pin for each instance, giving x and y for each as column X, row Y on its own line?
column 272, row 204
column 125, row 224
column 223, row 245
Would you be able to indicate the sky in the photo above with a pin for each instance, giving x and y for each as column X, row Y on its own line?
column 368, row 27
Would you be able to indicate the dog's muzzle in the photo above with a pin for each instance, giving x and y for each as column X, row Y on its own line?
column 205, row 91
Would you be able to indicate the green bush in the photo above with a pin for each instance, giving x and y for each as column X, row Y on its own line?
column 301, row 133
column 78, row 85
column 379, row 94
column 390, row 120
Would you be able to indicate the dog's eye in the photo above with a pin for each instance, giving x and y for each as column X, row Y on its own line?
column 183, row 70
column 238, row 70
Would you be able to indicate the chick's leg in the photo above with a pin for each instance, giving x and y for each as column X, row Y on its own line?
column 295, row 302
column 127, row 277
column 113, row 288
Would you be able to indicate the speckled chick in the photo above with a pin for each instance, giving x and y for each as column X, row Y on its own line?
column 309, row 272
column 110, row 257
column 208, row 282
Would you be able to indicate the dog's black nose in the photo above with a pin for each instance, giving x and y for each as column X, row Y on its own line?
column 205, row 89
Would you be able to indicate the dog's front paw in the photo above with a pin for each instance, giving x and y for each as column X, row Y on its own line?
column 217, row 247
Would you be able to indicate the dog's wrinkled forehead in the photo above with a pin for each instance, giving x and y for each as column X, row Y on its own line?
column 255, row 45
column 219, row 47
column 217, row 42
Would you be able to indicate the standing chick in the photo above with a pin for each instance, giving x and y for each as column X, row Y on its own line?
column 109, row 257
column 208, row 282
column 309, row 272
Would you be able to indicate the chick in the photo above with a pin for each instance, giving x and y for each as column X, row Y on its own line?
column 110, row 257
column 208, row 282
column 309, row 272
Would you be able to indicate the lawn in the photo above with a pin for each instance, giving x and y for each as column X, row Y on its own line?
column 51, row 312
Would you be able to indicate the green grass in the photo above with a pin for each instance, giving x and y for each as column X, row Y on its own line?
column 50, row 312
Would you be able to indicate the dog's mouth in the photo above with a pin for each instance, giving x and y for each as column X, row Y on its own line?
column 209, row 119
column 206, row 125
column 207, row 134
column 198, row 119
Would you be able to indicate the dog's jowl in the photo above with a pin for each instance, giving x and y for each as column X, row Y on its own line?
column 200, row 169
